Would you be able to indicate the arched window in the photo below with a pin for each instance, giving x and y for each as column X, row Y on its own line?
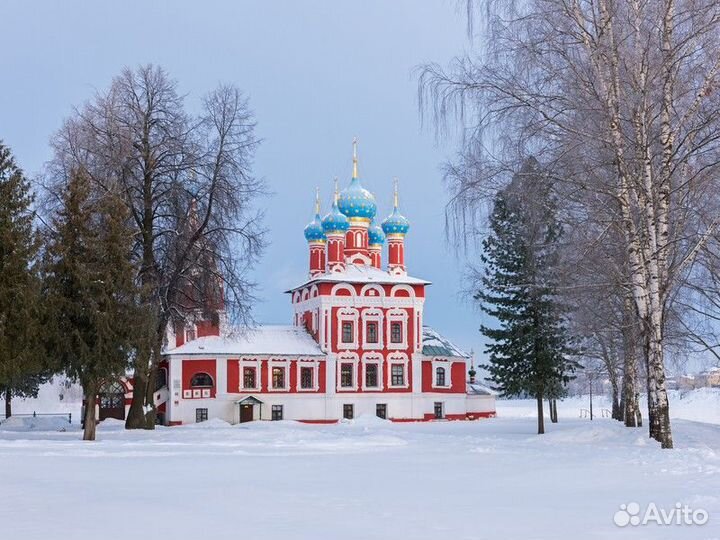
column 440, row 376
column 112, row 387
column 112, row 396
column 201, row 380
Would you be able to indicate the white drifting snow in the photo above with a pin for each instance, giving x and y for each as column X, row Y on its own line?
column 358, row 480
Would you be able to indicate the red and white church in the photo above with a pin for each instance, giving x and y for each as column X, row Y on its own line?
column 357, row 344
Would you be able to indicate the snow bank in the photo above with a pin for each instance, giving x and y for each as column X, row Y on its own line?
column 212, row 423
column 366, row 420
column 700, row 405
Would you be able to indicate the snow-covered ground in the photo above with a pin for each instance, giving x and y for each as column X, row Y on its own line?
column 364, row 480
column 701, row 405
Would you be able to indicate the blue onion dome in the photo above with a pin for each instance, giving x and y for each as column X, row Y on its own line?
column 355, row 201
column 376, row 236
column 335, row 220
column 395, row 223
column 314, row 230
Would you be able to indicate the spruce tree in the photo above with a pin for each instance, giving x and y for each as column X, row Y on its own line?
column 23, row 366
column 529, row 350
column 90, row 289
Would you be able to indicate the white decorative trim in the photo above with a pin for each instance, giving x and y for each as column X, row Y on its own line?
column 342, row 287
column 312, row 364
column 345, row 315
column 418, row 330
column 401, row 316
column 374, row 315
column 279, row 363
column 367, row 289
column 346, row 358
column 402, row 287
column 398, row 358
column 377, row 359
column 361, row 301
column 250, row 363
column 447, row 366
column 327, row 325
column 358, row 258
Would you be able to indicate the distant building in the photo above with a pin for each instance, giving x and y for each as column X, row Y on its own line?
column 686, row 382
column 357, row 345
column 710, row 377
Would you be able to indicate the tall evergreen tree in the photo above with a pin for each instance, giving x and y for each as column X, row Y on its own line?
column 90, row 290
column 23, row 365
column 529, row 350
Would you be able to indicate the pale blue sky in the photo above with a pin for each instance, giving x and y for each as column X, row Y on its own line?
column 317, row 73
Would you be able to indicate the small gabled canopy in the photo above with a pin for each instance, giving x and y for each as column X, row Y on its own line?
column 248, row 400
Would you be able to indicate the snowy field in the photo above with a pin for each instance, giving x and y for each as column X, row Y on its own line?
column 362, row 480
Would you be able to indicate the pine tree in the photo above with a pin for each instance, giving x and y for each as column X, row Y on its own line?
column 90, row 290
column 529, row 350
column 23, row 366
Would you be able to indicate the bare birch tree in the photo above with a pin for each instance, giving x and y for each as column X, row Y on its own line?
column 620, row 96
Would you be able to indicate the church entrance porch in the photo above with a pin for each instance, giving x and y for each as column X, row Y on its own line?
column 247, row 407
column 246, row 413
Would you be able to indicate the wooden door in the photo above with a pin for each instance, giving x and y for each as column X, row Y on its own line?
column 246, row 413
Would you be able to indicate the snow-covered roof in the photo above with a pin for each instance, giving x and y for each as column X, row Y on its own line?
column 266, row 339
column 475, row 389
column 436, row 345
column 361, row 273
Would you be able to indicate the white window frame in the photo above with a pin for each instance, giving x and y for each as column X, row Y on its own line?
column 278, row 363
column 190, row 329
column 312, row 364
column 348, row 315
column 398, row 359
column 376, row 359
column 372, row 315
column 401, row 316
column 447, row 365
column 347, row 358
column 251, row 363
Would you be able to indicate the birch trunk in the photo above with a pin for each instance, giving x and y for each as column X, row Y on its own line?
column 629, row 397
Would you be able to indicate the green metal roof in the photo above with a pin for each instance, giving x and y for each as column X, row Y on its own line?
column 436, row 345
